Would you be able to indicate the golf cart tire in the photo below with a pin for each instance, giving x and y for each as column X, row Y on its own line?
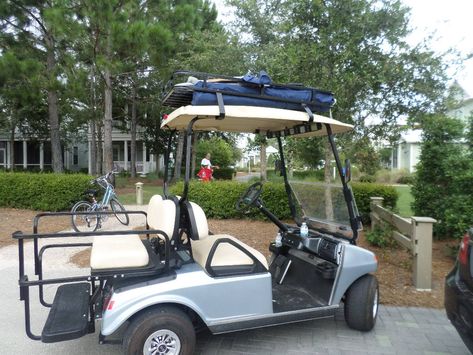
column 167, row 318
column 360, row 310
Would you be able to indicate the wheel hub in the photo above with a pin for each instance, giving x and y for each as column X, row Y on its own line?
column 162, row 342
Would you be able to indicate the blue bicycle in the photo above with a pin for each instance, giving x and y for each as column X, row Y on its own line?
column 85, row 220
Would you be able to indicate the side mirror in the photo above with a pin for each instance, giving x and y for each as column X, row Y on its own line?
column 347, row 171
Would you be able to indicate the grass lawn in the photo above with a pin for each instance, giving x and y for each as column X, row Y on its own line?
column 148, row 191
column 404, row 201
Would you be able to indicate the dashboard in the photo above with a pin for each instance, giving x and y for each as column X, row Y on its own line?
column 322, row 245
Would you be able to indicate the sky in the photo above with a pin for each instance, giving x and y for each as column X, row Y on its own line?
column 450, row 21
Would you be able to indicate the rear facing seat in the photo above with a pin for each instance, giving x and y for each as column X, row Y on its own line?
column 226, row 256
column 128, row 251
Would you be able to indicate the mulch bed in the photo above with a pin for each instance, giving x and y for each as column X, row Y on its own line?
column 394, row 272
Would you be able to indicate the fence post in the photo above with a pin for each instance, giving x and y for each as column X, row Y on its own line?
column 139, row 193
column 422, row 251
column 375, row 201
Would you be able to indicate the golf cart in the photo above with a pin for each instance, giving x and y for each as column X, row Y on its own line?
column 178, row 277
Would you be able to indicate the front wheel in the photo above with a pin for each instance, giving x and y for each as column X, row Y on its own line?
column 84, row 222
column 361, row 303
column 164, row 330
column 118, row 207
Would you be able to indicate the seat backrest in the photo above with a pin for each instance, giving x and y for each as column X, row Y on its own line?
column 163, row 215
column 197, row 225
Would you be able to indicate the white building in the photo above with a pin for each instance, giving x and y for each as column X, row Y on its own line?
column 406, row 153
column 30, row 154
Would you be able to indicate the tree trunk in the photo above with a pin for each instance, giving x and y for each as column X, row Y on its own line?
column 327, row 178
column 179, row 152
column 99, row 169
column 93, row 149
column 262, row 161
column 194, row 154
column 133, row 133
column 56, row 150
column 107, row 118
column 158, row 163
column 290, row 163
column 93, row 131
column 12, row 147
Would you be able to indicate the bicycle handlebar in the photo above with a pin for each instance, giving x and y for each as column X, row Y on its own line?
column 104, row 178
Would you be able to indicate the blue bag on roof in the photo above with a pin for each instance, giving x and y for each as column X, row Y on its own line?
column 258, row 91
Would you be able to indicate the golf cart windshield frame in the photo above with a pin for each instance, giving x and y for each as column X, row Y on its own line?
column 347, row 193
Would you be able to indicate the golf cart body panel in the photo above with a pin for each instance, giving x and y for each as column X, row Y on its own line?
column 215, row 300
column 251, row 119
column 356, row 262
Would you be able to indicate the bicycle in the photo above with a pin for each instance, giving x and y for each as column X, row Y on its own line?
column 83, row 217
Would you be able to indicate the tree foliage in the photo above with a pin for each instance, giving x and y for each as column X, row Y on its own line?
column 221, row 152
column 442, row 187
column 355, row 48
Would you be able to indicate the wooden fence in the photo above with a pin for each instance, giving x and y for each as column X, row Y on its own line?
column 415, row 234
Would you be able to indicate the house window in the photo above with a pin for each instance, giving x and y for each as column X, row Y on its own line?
column 395, row 166
column 116, row 152
column 75, row 156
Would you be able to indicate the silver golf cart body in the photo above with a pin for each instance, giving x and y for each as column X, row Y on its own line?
column 244, row 301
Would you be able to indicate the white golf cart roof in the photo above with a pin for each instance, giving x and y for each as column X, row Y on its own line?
column 253, row 119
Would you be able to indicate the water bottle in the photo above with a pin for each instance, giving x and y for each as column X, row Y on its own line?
column 278, row 240
column 304, row 230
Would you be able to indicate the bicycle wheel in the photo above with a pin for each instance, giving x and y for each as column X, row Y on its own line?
column 82, row 222
column 118, row 207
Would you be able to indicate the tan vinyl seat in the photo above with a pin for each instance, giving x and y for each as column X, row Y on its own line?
column 118, row 251
column 128, row 251
column 226, row 254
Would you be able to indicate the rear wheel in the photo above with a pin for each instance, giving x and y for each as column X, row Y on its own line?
column 82, row 222
column 164, row 330
column 118, row 207
column 361, row 303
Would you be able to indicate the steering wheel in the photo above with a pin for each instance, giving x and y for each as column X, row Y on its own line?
column 249, row 197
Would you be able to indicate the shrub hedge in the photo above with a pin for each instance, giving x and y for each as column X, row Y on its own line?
column 44, row 191
column 218, row 198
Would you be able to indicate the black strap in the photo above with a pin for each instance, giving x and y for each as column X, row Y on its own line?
column 309, row 112
column 221, row 106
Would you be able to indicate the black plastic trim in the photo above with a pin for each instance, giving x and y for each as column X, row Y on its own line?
column 257, row 266
column 274, row 319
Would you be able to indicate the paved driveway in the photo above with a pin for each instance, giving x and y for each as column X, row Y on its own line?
column 398, row 330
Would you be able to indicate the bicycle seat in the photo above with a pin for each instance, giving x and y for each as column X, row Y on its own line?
column 91, row 192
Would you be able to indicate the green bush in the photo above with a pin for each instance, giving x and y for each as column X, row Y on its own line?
column 316, row 175
column 44, row 191
column 224, row 173
column 406, row 179
column 367, row 178
column 443, row 185
column 381, row 237
column 363, row 191
column 218, row 198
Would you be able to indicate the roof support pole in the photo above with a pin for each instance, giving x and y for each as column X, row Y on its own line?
column 346, row 189
column 166, row 162
column 286, row 182
column 188, row 156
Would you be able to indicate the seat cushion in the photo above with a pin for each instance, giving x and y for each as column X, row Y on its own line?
column 162, row 216
column 226, row 254
column 118, row 251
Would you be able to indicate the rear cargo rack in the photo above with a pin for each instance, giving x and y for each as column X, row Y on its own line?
column 82, row 311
